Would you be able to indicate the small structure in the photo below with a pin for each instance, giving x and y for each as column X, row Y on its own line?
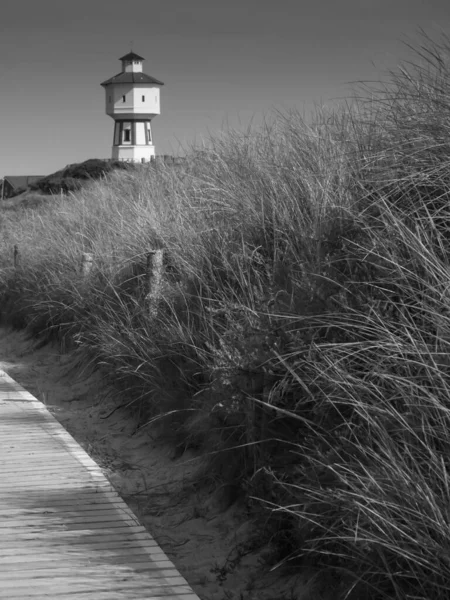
column 132, row 100
column 11, row 185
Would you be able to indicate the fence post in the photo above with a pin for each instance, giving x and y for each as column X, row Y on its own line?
column 16, row 256
column 86, row 264
column 153, row 281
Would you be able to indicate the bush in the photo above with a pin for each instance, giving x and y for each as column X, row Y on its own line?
column 72, row 177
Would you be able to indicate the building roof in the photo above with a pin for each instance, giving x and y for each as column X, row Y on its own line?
column 132, row 78
column 19, row 181
column 132, row 56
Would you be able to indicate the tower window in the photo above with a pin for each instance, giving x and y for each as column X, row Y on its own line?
column 123, row 98
column 127, row 135
column 143, row 98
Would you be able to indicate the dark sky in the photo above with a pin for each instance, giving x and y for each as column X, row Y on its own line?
column 220, row 61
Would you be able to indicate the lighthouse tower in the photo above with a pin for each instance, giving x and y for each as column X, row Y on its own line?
column 132, row 100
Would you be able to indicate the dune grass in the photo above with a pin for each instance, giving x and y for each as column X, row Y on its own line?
column 302, row 340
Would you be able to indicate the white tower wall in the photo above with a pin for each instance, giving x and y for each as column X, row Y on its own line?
column 140, row 100
column 132, row 66
column 133, row 141
column 134, row 153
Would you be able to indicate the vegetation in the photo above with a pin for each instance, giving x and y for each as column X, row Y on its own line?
column 72, row 177
column 302, row 341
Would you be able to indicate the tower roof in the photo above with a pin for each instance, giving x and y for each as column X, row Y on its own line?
column 131, row 78
column 131, row 56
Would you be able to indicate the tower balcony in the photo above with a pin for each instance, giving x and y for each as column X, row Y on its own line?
column 131, row 115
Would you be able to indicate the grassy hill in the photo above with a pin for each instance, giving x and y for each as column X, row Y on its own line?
column 301, row 342
column 72, row 177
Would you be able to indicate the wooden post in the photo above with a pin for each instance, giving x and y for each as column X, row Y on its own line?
column 153, row 281
column 86, row 264
column 16, row 256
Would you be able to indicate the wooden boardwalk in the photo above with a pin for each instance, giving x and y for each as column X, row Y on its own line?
column 64, row 531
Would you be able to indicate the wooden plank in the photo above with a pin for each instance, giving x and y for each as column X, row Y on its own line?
column 59, row 497
column 68, row 508
column 158, row 576
column 82, row 559
column 111, row 542
column 24, row 462
column 137, row 595
column 102, row 520
column 60, row 535
column 83, row 501
column 64, row 530
column 63, row 587
column 48, row 487
column 38, row 475
column 78, row 582
column 36, row 479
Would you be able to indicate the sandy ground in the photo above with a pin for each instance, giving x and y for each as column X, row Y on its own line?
column 206, row 539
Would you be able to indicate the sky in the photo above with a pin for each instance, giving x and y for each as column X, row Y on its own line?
column 222, row 63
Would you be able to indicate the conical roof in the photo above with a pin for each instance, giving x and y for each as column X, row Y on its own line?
column 131, row 78
column 132, row 56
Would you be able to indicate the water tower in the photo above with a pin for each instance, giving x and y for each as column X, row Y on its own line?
column 132, row 100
